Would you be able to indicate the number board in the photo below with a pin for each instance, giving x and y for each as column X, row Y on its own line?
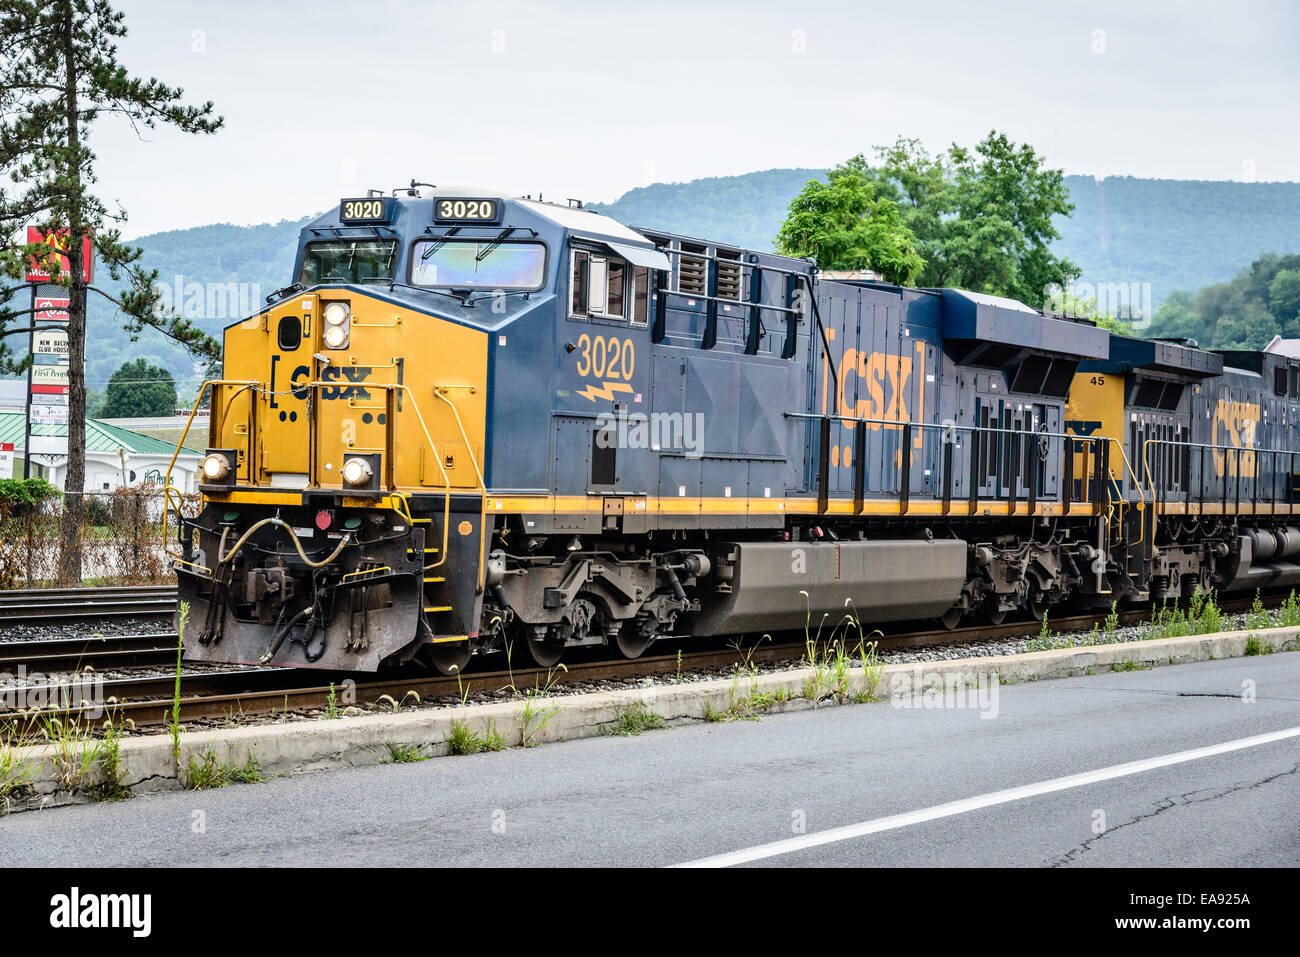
column 467, row 209
column 373, row 209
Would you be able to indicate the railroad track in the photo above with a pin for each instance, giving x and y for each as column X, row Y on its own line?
column 78, row 604
column 218, row 695
column 98, row 652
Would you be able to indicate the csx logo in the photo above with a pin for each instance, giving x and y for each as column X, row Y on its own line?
column 885, row 378
column 333, row 373
column 1234, row 425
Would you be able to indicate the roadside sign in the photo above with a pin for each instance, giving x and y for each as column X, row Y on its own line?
column 6, row 460
column 49, row 415
column 49, row 375
column 59, row 241
column 52, row 309
column 50, row 342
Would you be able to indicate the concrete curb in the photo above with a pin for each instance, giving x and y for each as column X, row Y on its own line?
column 298, row 746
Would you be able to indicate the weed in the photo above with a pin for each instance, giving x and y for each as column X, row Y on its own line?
column 1211, row 617
column 393, row 703
column 1256, row 647
column 1111, row 628
column 713, row 714
column 404, row 753
column 1257, row 617
column 632, row 719
column 465, row 740
column 16, row 771
column 332, row 703
column 112, row 773
column 1129, row 664
column 209, row 773
column 1289, row 613
column 174, row 726
column 534, row 716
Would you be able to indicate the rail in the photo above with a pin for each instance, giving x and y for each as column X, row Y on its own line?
column 1097, row 477
column 1172, row 455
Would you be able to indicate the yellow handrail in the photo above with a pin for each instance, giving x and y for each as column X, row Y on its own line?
column 440, row 392
column 168, row 488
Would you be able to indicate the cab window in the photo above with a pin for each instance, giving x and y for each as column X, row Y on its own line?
column 349, row 261
column 604, row 287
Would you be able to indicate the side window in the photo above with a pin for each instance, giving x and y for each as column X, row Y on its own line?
column 578, row 283
column 598, row 286
column 289, row 333
column 640, row 295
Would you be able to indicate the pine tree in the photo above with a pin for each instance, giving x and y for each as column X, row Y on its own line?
column 59, row 76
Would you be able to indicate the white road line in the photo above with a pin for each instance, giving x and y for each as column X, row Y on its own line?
column 895, row 821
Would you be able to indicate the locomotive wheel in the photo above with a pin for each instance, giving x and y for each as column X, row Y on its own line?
column 450, row 657
column 951, row 618
column 994, row 614
column 630, row 643
column 1038, row 605
column 541, row 653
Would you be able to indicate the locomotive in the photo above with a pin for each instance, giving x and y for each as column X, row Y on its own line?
column 477, row 423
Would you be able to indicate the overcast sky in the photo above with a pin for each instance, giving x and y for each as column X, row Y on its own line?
column 325, row 98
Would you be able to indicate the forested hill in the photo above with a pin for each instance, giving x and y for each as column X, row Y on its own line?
column 1173, row 234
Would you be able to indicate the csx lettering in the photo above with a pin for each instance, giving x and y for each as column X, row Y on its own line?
column 1234, row 425
column 331, row 374
column 885, row 378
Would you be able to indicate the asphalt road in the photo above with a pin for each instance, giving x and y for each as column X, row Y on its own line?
column 682, row 794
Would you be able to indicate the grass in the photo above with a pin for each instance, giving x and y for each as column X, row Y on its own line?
column 1256, row 647
column 174, row 725
column 632, row 719
column 1288, row 615
column 404, row 753
column 73, row 749
column 535, row 714
column 209, row 773
column 464, row 740
column 17, row 772
column 1257, row 617
column 1129, row 664
column 111, row 785
column 395, row 705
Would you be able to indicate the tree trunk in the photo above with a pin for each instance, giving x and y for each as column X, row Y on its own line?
column 75, row 481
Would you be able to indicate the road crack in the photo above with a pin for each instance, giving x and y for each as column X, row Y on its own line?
column 1199, row 796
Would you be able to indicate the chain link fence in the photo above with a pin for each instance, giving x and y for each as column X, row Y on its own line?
column 121, row 538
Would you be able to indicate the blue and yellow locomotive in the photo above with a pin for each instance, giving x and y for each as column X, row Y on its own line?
column 477, row 423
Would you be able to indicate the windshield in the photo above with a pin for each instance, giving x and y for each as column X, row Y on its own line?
column 467, row 264
column 349, row 260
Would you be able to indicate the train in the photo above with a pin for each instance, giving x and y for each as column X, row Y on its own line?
column 475, row 423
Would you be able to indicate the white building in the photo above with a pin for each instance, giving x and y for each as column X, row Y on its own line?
column 114, row 456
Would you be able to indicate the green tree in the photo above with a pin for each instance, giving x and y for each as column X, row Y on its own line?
column 138, row 389
column 59, row 76
column 982, row 217
column 1284, row 300
column 843, row 225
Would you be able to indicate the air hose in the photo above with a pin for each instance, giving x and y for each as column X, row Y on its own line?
column 223, row 556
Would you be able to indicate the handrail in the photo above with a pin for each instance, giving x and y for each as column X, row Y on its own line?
column 168, row 488
column 1204, row 447
column 439, row 392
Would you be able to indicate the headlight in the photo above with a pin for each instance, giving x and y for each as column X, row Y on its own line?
column 336, row 313
column 336, row 337
column 215, row 467
column 356, row 472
